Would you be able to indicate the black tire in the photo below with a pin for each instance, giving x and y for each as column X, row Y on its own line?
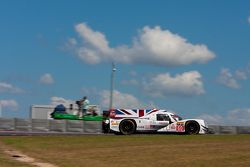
column 105, row 128
column 127, row 127
column 192, row 128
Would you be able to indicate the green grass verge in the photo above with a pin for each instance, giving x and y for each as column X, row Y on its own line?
column 7, row 161
column 136, row 150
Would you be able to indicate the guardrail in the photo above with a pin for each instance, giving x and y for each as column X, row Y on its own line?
column 44, row 125
column 217, row 129
column 85, row 127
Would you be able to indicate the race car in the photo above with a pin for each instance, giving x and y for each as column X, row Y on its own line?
column 130, row 121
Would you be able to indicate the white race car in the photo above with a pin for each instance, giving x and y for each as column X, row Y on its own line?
column 129, row 121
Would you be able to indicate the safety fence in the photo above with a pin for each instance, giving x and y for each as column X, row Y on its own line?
column 44, row 125
column 217, row 129
column 84, row 127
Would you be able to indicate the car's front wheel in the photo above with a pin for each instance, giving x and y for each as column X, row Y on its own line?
column 192, row 127
column 127, row 127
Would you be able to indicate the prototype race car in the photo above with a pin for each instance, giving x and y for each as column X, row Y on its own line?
column 128, row 121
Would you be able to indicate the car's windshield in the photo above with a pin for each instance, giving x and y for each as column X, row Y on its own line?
column 162, row 117
column 176, row 117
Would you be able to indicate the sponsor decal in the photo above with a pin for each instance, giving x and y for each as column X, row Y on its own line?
column 180, row 127
column 114, row 123
column 140, row 127
column 147, row 126
column 172, row 126
column 152, row 126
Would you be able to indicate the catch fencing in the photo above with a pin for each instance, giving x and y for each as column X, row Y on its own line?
column 44, row 125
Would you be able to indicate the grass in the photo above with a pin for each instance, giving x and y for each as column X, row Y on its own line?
column 135, row 150
column 7, row 162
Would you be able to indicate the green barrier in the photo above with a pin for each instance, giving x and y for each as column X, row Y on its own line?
column 75, row 117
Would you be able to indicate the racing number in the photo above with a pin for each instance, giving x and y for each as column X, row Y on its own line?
column 180, row 128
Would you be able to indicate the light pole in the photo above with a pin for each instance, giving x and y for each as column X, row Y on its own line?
column 112, row 86
column 0, row 109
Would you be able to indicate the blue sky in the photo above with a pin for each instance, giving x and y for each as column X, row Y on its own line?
column 189, row 57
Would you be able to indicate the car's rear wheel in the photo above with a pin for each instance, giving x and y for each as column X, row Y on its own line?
column 192, row 127
column 127, row 127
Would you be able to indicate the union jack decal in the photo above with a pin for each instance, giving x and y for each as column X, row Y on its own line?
column 132, row 113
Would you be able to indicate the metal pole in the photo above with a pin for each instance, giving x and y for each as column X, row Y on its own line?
column 0, row 109
column 112, row 86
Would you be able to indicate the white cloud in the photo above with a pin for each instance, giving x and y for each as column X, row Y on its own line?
column 90, row 91
column 212, row 119
column 133, row 73
column 130, row 82
column 186, row 84
column 153, row 46
column 122, row 100
column 227, row 79
column 46, row 79
column 72, row 41
column 241, row 75
column 248, row 19
column 9, row 104
column 231, row 79
column 60, row 100
column 238, row 117
column 8, row 88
